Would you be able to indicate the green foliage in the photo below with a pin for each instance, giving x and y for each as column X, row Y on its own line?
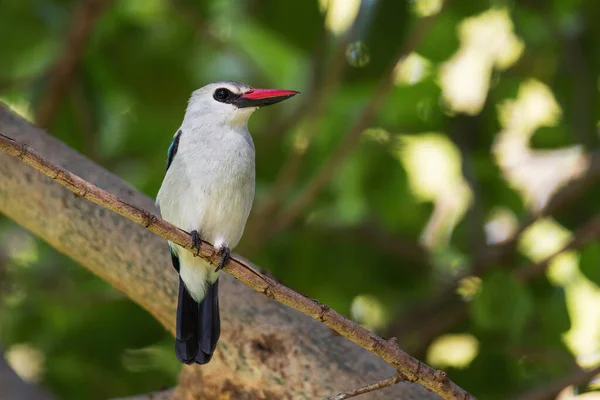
column 503, row 306
column 369, row 231
column 590, row 262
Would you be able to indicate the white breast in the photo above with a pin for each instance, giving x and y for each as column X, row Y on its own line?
column 210, row 186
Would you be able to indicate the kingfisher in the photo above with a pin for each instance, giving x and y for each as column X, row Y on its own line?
column 208, row 190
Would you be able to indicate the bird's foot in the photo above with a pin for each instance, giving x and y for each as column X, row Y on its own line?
column 225, row 253
column 196, row 241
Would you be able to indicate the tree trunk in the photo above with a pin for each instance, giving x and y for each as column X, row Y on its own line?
column 266, row 351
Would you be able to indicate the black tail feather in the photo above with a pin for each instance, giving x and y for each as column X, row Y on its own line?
column 209, row 327
column 198, row 325
column 186, row 345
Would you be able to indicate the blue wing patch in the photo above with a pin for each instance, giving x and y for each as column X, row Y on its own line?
column 173, row 149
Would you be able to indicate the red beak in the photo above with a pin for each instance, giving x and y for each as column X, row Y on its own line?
column 267, row 93
column 264, row 97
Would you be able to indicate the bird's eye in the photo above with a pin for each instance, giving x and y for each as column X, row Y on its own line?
column 222, row 94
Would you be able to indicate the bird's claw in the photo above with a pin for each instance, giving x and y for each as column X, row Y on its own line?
column 225, row 253
column 195, row 241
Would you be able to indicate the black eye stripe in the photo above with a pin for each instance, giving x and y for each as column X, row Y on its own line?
column 224, row 95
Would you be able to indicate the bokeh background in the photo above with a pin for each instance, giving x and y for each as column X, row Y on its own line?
column 425, row 183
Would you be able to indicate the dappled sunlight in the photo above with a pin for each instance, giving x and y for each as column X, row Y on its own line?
column 378, row 135
column 427, row 8
column 21, row 106
column 411, row 70
column 465, row 82
column 543, row 239
column 340, row 14
column 433, row 166
column 487, row 41
column 583, row 298
column 26, row 361
column 593, row 360
column 145, row 11
column 572, row 393
column 536, row 174
column 469, row 287
column 21, row 248
column 453, row 350
column 501, row 225
column 301, row 140
column 534, row 107
column 368, row 311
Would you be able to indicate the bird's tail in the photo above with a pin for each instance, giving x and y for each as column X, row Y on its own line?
column 198, row 325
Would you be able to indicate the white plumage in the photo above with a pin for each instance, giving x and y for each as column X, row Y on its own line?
column 209, row 185
column 208, row 191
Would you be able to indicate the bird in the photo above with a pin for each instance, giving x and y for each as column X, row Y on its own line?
column 208, row 191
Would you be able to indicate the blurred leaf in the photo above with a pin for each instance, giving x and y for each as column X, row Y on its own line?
column 289, row 20
column 590, row 262
column 503, row 305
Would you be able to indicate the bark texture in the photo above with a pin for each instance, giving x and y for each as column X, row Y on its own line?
column 267, row 350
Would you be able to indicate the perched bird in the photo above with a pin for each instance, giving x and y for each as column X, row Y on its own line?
column 208, row 191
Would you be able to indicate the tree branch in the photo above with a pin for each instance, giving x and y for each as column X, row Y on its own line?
column 372, row 233
column 318, row 77
column 266, row 349
column 352, row 137
column 369, row 388
column 413, row 369
column 322, row 87
column 464, row 129
column 412, row 324
column 84, row 17
column 456, row 310
column 562, row 198
column 202, row 26
column 551, row 390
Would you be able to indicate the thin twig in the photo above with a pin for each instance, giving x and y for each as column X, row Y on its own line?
column 203, row 29
column 318, row 62
column 323, row 85
column 412, row 323
column 562, row 198
column 352, row 137
column 84, row 18
column 582, row 236
column 462, row 133
column 415, row 371
column 455, row 312
column 376, row 236
column 366, row 389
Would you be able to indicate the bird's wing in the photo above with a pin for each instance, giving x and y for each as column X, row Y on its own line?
column 174, row 259
column 173, row 148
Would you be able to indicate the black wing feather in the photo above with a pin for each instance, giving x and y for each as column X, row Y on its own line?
column 173, row 149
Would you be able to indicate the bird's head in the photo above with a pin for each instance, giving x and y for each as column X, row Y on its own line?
column 232, row 103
